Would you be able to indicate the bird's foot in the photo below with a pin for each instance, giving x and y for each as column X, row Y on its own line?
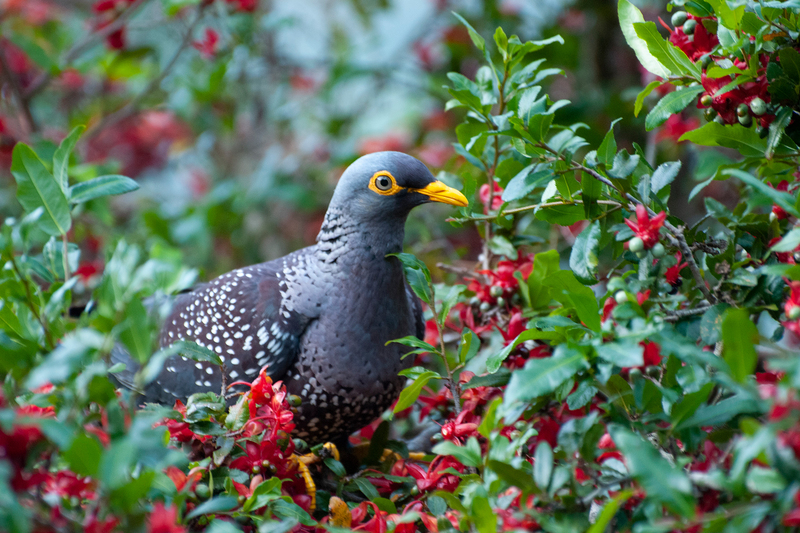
column 318, row 454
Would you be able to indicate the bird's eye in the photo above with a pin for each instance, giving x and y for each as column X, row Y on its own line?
column 383, row 183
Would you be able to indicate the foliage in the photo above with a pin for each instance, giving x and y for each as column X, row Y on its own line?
column 641, row 377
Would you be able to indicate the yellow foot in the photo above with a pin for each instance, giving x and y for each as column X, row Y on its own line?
column 414, row 456
column 327, row 450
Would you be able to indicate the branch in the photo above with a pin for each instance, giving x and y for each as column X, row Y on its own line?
column 132, row 106
column 677, row 314
column 17, row 90
column 528, row 208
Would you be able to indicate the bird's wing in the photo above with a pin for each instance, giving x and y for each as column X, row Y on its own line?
column 245, row 318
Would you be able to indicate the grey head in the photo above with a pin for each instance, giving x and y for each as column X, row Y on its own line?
column 385, row 186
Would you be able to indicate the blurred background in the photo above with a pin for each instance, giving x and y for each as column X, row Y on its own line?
column 238, row 116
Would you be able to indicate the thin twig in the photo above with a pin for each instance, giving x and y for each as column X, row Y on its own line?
column 528, row 208
column 132, row 106
column 461, row 271
column 17, row 90
column 487, row 236
column 677, row 314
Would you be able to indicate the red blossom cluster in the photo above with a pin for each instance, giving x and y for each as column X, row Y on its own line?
column 647, row 228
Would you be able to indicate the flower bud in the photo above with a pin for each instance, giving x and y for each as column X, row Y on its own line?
column 202, row 491
column 758, row 106
column 636, row 244
column 501, row 302
column 294, row 400
column 621, row 297
column 634, row 375
column 496, row 291
column 772, row 217
column 679, row 18
column 710, row 114
column 658, row 250
column 485, row 307
column 746, row 121
column 616, row 283
column 706, row 100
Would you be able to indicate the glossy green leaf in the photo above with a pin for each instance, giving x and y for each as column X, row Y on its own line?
column 102, row 186
column 36, row 187
column 739, row 336
column 783, row 199
column 61, row 157
column 629, row 15
column 410, row 394
column 674, row 102
column 543, row 376
column 583, row 259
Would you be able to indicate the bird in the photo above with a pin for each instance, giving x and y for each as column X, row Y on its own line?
column 320, row 319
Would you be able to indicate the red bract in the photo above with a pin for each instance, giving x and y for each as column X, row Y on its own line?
column 183, row 480
column 465, row 425
column 673, row 273
column 701, row 43
column 267, row 402
column 376, row 524
column 208, row 46
column 647, row 228
column 164, row 520
column 497, row 201
column 435, row 478
column 66, row 484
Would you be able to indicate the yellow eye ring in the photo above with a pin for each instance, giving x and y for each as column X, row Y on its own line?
column 383, row 183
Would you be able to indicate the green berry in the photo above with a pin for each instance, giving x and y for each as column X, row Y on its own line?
column 678, row 18
column 294, row 400
column 636, row 245
column 496, row 291
column 635, row 374
column 762, row 131
column 616, row 284
column 773, row 217
column 658, row 250
column 796, row 257
column 706, row 100
column 484, row 307
column 706, row 61
column 719, row 120
column 689, row 26
column 641, row 254
column 743, row 110
column 474, row 301
column 202, row 491
column 794, row 313
column 501, row 302
column 653, row 371
column 758, row 106
column 746, row 121
column 710, row 114
column 621, row 297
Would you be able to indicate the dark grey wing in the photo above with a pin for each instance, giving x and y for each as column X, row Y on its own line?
column 245, row 318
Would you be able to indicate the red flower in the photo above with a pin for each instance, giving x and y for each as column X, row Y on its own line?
column 647, row 228
column 697, row 46
column 464, row 426
column 792, row 308
column 673, row 273
column 497, row 200
column 179, row 429
column 675, row 126
column 181, row 479
column 107, row 525
column 164, row 520
column 68, row 485
column 435, row 478
column 514, row 327
column 777, row 210
column 652, row 353
column 725, row 104
column 208, row 46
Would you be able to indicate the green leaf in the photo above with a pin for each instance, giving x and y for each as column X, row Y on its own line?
column 565, row 288
column 543, row 464
column 496, row 359
column 102, row 186
column 583, row 258
column 608, row 148
column 69, row 356
column 470, row 343
column 526, row 181
column 36, row 187
column 637, row 107
column 664, row 175
column 83, row 456
column 483, row 516
column 622, row 352
column 214, row 505
column 776, row 129
column 514, row 476
column 689, row 405
column 762, row 480
column 366, row 488
column 738, row 349
column 264, row 493
column 285, row 509
column 729, row 17
column 783, row 199
column 582, row 395
column 501, row 40
column 674, row 59
column 661, row 481
column 198, row 353
column 477, row 40
column 629, row 15
column 61, row 157
column 624, row 165
column 417, row 275
column 609, row 510
column 469, row 455
column 788, row 243
column 410, row 394
column 543, row 376
column 744, row 140
column 672, row 103
column 137, row 335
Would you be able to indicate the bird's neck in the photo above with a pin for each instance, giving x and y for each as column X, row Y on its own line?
column 344, row 239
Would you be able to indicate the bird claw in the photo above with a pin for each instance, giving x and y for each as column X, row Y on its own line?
column 318, row 454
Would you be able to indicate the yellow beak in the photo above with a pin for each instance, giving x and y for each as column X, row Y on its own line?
column 439, row 192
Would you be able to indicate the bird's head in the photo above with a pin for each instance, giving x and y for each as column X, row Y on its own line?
column 387, row 185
